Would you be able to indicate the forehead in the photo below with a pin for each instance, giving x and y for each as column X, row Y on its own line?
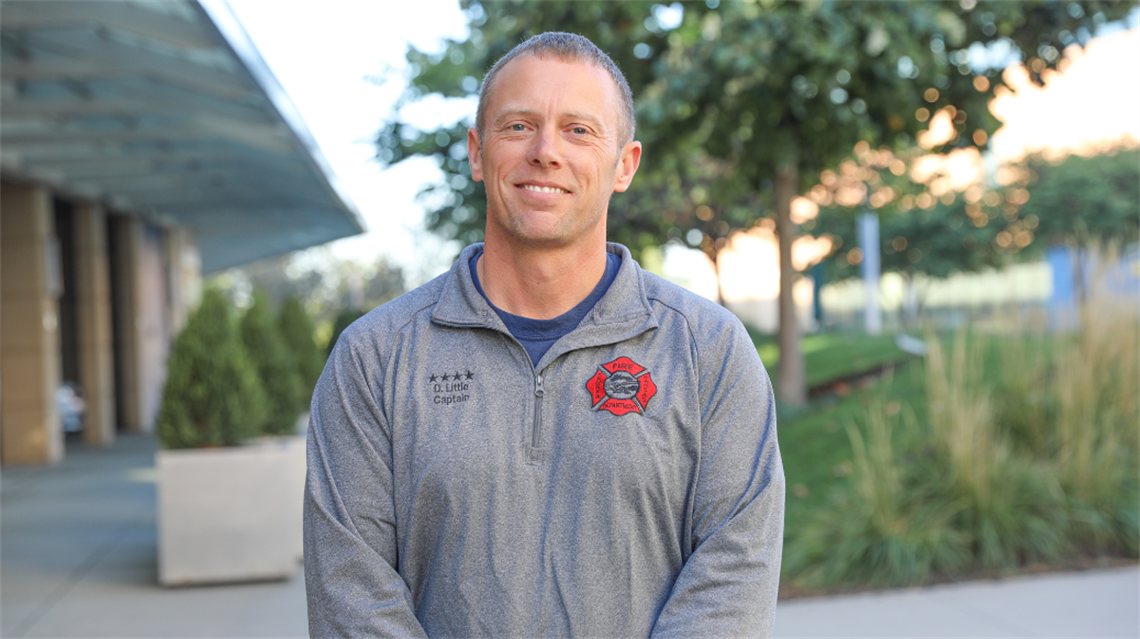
column 549, row 84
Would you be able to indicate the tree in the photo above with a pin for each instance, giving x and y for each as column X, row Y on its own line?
column 929, row 223
column 936, row 242
column 212, row 396
column 274, row 364
column 856, row 73
column 1087, row 202
column 343, row 320
column 324, row 283
column 1085, row 198
column 1045, row 202
column 297, row 331
column 755, row 98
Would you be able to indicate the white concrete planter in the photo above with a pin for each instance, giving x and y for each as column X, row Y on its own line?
column 230, row 514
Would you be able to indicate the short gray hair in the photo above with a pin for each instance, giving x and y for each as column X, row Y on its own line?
column 566, row 47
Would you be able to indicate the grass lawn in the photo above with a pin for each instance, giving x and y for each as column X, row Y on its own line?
column 813, row 441
column 833, row 356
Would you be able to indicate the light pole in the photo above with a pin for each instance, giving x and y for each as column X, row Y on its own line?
column 868, row 230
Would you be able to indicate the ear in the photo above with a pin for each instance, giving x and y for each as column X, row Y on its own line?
column 475, row 154
column 627, row 166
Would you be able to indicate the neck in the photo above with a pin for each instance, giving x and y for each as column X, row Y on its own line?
column 540, row 283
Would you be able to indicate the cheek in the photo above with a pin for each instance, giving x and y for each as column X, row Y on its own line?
column 598, row 158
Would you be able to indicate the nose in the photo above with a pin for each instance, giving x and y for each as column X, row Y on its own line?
column 546, row 150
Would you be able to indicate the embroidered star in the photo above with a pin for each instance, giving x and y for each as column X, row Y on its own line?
column 446, row 377
column 433, row 377
column 470, row 375
column 456, row 375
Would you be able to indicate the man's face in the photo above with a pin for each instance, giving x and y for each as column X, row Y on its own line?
column 552, row 152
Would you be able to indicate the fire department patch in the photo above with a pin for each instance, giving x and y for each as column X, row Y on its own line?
column 621, row 386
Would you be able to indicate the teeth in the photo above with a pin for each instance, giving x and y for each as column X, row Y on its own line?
column 543, row 189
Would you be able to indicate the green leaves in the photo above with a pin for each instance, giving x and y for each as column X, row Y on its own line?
column 230, row 381
column 213, row 396
column 274, row 364
column 297, row 331
column 1074, row 199
column 739, row 92
column 730, row 91
column 1083, row 198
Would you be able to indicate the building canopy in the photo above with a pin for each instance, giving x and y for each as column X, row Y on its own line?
column 164, row 110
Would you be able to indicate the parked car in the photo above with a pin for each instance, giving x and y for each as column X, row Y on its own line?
column 72, row 407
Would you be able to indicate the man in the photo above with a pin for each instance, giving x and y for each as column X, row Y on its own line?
column 546, row 440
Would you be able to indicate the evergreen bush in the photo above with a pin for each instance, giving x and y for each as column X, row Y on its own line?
column 297, row 330
column 212, row 396
column 274, row 365
column 343, row 319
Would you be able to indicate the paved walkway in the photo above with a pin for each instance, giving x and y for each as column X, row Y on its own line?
column 79, row 547
column 1100, row 603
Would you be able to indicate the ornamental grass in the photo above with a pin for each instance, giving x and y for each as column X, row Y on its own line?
column 1015, row 451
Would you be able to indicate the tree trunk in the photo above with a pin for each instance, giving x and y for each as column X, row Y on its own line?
column 790, row 378
column 719, row 286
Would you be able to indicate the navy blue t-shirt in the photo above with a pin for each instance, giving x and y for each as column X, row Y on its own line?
column 538, row 335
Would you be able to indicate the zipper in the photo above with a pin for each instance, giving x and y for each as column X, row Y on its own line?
column 538, row 393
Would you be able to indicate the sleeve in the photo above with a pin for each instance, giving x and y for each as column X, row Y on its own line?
column 351, row 579
column 727, row 586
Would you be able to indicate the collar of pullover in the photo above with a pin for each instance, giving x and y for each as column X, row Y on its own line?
column 620, row 314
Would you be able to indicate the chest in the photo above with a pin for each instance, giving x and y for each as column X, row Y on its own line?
column 475, row 423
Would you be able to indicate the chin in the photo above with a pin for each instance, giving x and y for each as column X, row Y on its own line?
column 542, row 240
column 525, row 230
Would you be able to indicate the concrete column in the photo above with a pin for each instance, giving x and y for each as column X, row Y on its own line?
column 93, row 292
column 185, row 265
column 128, row 241
column 30, row 430
column 153, row 322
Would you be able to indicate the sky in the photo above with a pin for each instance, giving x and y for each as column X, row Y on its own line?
column 342, row 64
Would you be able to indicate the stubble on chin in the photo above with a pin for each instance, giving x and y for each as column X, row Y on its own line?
column 538, row 230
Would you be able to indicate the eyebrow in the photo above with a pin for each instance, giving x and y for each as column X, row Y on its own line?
column 571, row 115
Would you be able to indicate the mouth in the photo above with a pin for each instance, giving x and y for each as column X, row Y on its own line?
column 542, row 189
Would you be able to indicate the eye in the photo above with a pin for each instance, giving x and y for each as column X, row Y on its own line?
column 581, row 130
column 518, row 127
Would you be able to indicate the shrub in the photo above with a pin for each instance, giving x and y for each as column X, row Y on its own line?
column 889, row 529
column 1029, row 456
column 297, row 330
column 1026, row 409
column 343, row 319
column 1011, row 507
column 1071, row 402
column 274, row 364
column 212, row 396
column 1095, row 431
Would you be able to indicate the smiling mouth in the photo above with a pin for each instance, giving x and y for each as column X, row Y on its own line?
column 542, row 189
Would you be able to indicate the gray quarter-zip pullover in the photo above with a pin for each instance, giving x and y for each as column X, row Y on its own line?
column 628, row 485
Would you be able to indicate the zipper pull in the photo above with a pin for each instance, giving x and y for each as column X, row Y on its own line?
column 538, row 390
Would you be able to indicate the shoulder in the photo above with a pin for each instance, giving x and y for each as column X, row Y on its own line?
column 669, row 298
column 716, row 337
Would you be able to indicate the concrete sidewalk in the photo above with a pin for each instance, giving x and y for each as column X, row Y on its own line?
column 78, row 559
column 1101, row 603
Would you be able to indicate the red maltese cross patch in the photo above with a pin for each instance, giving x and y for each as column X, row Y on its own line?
column 622, row 386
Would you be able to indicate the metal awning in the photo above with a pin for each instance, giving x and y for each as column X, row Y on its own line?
column 164, row 110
